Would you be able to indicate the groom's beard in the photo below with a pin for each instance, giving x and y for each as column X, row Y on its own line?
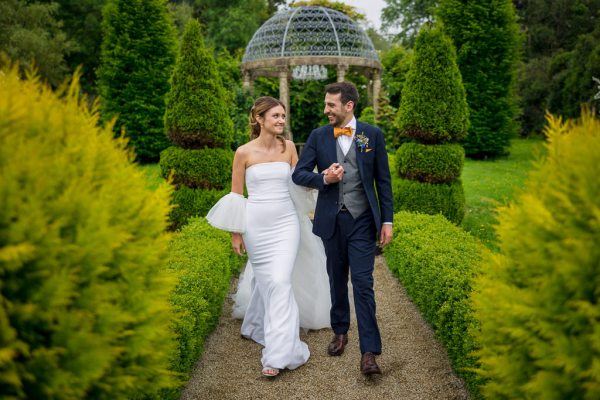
column 338, row 120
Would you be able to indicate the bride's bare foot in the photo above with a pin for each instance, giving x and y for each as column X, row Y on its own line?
column 268, row 371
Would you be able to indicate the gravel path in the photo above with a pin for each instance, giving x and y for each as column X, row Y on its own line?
column 414, row 364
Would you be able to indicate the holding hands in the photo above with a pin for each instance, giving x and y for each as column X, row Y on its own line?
column 334, row 173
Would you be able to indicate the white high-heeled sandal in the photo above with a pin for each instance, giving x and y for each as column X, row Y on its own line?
column 268, row 371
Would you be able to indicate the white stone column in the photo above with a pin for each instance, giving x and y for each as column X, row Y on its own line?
column 341, row 72
column 248, row 84
column 376, row 89
column 284, row 97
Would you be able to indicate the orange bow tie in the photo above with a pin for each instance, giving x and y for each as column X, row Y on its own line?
column 337, row 132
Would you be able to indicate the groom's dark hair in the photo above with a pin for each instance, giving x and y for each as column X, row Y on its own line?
column 347, row 89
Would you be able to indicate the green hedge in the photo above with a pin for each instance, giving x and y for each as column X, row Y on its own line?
column 430, row 163
column 204, row 168
column 437, row 262
column 538, row 301
column 188, row 203
column 201, row 261
column 430, row 198
column 83, row 291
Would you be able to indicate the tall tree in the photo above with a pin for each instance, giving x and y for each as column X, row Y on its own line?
column 487, row 40
column 403, row 18
column 81, row 22
column 31, row 34
column 138, row 53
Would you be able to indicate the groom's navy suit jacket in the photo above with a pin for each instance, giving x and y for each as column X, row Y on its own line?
column 320, row 150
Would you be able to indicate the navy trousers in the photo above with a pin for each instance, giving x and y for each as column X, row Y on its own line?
column 352, row 248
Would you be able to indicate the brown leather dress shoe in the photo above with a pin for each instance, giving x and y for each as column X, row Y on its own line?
column 368, row 366
column 336, row 347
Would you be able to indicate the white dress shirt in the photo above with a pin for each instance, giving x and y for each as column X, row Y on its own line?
column 344, row 141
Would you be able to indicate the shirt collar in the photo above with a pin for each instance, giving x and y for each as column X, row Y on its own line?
column 352, row 124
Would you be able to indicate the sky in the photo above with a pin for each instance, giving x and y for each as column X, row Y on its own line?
column 372, row 8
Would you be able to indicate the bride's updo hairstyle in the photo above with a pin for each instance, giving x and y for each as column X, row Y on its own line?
column 260, row 108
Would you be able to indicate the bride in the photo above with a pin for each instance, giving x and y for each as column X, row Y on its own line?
column 285, row 284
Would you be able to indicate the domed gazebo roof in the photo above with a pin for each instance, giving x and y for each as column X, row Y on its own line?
column 309, row 35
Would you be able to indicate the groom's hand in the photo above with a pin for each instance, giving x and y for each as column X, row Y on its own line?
column 386, row 234
column 334, row 173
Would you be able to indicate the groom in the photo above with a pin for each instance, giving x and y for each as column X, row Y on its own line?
column 351, row 159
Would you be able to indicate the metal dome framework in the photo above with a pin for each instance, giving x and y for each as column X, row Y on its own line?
column 310, row 36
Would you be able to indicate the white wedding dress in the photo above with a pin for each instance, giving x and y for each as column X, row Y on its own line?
column 285, row 284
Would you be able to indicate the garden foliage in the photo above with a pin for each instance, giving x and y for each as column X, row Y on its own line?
column 538, row 298
column 196, row 113
column 201, row 262
column 198, row 122
column 487, row 40
column 138, row 52
column 437, row 262
column 434, row 115
column 83, row 291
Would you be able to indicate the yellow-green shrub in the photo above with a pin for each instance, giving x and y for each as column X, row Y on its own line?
column 539, row 300
column 83, row 301
column 436, row 262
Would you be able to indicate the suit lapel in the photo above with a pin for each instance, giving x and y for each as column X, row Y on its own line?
column 359, row 154
column 330, row 145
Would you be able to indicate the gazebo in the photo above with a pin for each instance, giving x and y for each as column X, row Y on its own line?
column 299, row 42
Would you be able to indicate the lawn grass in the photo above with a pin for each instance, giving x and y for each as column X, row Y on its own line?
column 153, row 175
column 489, row 184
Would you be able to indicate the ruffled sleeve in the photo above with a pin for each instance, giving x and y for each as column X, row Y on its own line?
column 229, row 214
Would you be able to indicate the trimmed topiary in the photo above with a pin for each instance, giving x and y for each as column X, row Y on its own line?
column 196, row 114
column 188, row 203
column 431, row 198
column 204, row 169
column 138, row 53
column 83, row 310
column 433, row 108
column 441, row 163
column 433, row 111
column 487, row 39
column 538, row 301
column 437, row 263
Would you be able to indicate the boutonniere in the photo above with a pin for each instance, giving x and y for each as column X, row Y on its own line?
column 362, row 142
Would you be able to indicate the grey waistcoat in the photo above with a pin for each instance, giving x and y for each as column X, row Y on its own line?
column 352, row 192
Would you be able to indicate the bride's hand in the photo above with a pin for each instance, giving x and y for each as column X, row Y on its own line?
column 237, row 243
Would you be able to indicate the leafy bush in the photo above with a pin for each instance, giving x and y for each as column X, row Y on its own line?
column 433, row 108
column 196, row 115
column 436, row 262
column 83, row 310
column 201, row 261
column 206, row 168
column 189, row 203
column 430, row 163
column 538, row 301
column 487, row 39
column 431, row 198
column 138, row 52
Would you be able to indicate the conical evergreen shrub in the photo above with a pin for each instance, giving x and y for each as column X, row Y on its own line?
column 434, row 107
column 198, row 123
column 83, row 292
column 538, row 301
column 196, row 114
column 487, row 40
column 138, row 53
column 433, row 113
